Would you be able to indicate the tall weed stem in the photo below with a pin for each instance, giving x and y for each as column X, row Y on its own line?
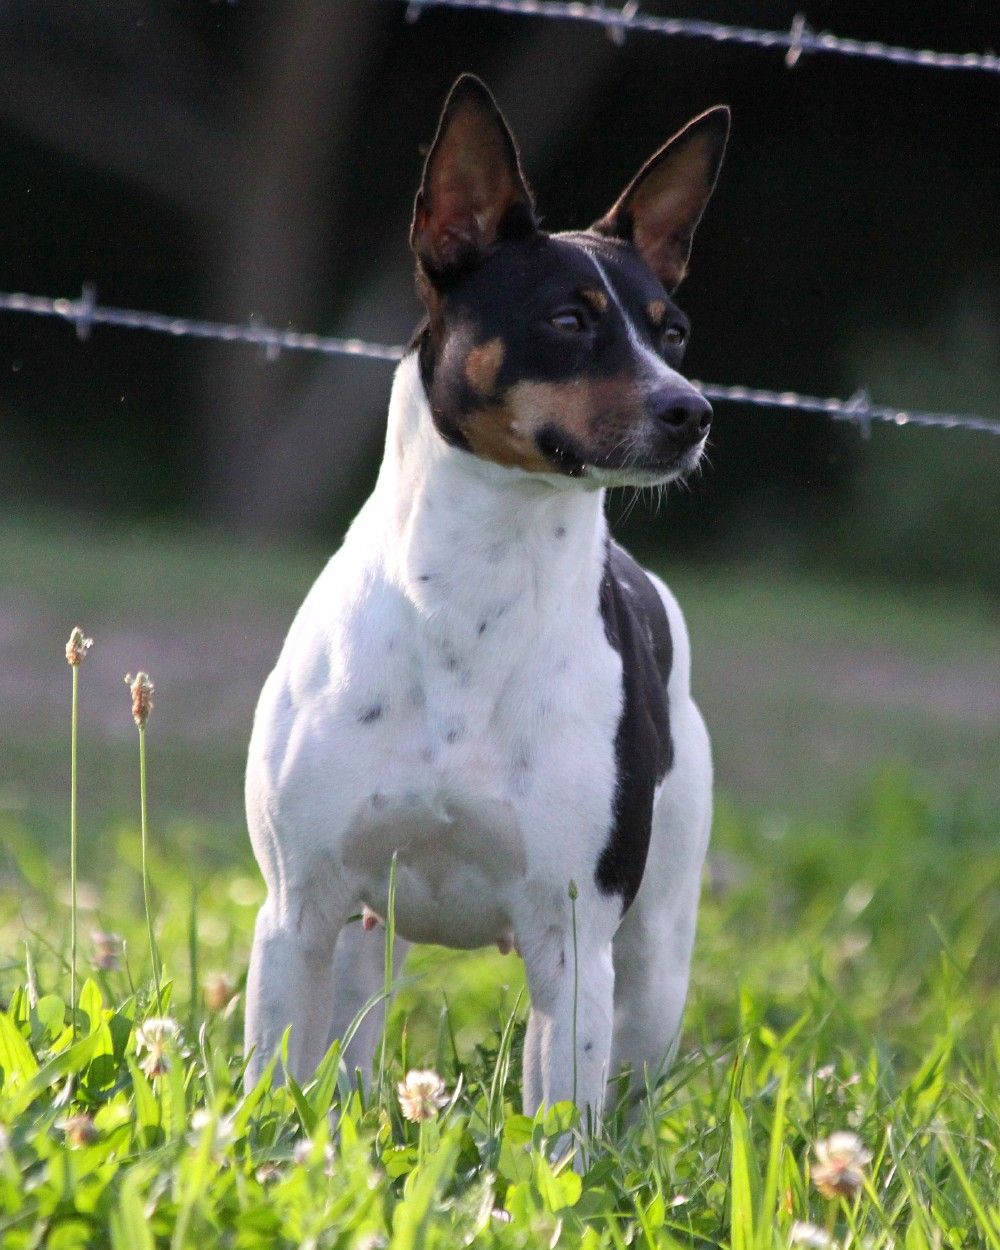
column 76, row 652
column 573, row 895
column 144, row 830
column 390, row 941
column 72, row 847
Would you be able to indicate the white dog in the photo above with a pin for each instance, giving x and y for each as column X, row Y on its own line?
column 480, row 681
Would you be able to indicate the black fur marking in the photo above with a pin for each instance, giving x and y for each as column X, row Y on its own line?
column 557, row 447
column 370, row 714
column 636, row 625
column 510, row 297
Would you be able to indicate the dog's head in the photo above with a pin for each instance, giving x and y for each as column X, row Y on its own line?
column 559, row 353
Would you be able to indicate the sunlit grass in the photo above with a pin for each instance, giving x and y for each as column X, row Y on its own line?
column 845, row 978
column 845, row 975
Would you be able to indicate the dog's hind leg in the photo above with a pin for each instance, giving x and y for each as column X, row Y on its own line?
column 359, row 975
column 652, row 948
column 290, row 982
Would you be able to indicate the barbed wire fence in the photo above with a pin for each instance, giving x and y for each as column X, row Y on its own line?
column 859, row 410
column 799, row 39
column 85, row 313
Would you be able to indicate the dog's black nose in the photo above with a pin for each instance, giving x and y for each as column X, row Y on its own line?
column 686, row 413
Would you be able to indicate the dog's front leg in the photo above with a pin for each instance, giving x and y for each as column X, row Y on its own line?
column 358, row 976
column 571, row 999
column 290, row 982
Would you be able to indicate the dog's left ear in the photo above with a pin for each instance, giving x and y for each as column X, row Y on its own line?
column 473, row 191
column 660, row 208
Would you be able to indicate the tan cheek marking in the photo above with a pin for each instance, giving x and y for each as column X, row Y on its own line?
column 597, row 415
column 482, row 366
column 493, row 434
column 595, row 297
column 657, row 312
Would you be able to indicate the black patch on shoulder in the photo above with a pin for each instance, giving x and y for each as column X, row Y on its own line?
column 636, row 625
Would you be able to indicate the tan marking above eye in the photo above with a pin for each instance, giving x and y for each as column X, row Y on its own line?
column 657, row 312
column 482, row 366
column 595, row 297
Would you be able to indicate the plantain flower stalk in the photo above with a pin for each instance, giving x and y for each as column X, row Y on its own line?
column 141, row 689
column 76, row 652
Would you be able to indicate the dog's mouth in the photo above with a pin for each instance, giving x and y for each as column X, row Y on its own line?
column 623, row 469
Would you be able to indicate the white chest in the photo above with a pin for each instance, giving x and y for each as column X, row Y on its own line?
column 447, row 693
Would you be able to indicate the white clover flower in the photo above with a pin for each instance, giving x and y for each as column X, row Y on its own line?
column 840, row 1163
column 302, row 1151
column 421, row 1095
column 153, row 1038
column 222, row 1128
column 810, row 1235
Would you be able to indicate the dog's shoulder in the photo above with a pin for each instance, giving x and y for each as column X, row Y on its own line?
column 635, row 616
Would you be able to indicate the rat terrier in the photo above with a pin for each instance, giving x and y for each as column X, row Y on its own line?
column 481, row 682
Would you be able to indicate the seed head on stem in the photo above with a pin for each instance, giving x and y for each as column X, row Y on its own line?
column 142, row 697
column 77, row 647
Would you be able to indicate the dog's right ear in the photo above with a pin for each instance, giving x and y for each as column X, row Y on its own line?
column 473, row 191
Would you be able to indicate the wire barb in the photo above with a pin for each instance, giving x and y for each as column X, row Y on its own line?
column 800, row 28
column 796, row 41
column 84, row 317
column 85, row 312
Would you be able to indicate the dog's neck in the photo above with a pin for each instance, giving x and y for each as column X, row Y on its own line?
column 457, row 530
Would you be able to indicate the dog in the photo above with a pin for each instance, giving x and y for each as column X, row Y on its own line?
column 481, row 683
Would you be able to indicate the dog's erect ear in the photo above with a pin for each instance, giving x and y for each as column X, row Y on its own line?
column 473, row 191
column 660, row 208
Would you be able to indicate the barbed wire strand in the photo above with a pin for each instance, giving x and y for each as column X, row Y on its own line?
column 800, row 39
column 85, row 312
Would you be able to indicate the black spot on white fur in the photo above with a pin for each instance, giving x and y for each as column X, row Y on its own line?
column 454, row 730
column 636, row 625
column 368, row 715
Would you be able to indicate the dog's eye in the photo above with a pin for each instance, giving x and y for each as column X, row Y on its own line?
column 675, row 335
column 569, row 320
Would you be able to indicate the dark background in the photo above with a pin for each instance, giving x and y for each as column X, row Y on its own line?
column 258, row 160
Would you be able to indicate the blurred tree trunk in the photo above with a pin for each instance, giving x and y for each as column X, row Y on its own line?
column 282, row 470
column 271, row 251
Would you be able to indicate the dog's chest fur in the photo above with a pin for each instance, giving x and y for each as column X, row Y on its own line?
column 477, row 681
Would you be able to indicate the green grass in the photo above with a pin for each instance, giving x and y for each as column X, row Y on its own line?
column 845, row 975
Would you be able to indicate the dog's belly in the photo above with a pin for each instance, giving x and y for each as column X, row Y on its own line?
column 458, row 858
